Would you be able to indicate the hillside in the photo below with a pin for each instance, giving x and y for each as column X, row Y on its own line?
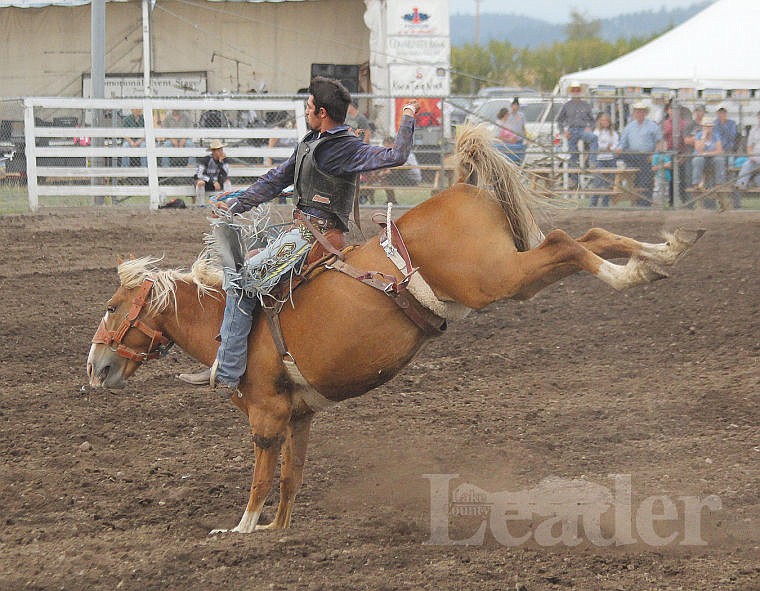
column 524, row 31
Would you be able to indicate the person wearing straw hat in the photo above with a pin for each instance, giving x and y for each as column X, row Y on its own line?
column 212, row 173
column 708, row 152
column 637, row 144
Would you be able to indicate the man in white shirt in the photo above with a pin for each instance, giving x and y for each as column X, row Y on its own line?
column 752, row 166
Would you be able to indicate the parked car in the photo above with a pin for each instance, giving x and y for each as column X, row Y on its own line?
column 540, row 121
column 491, row 92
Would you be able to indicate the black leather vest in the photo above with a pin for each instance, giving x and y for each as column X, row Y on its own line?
column 316, row 189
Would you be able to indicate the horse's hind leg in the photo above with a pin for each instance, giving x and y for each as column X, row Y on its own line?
column 269, row 420
column 558, row 256
column 612, row 246
column 291, row 477
column 607, row 245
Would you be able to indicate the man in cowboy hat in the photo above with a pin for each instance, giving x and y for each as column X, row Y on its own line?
column 576, row 122
column 212, row 173
column 324, row 171
column 637, row 144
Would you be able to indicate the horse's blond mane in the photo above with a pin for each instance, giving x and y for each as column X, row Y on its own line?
column 203, row 274
column 478, row 157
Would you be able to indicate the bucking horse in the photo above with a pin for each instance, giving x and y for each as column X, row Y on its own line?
column 360, row 316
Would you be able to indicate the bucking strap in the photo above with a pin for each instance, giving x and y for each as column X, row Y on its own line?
column 313, row 399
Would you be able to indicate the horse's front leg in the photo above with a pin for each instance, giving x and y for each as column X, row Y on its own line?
column 269, row 420
column 291, row 476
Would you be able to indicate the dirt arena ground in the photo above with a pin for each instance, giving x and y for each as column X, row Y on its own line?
column 119, row 489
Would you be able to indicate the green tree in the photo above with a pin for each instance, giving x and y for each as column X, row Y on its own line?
column 580, row 27
column 501, row 64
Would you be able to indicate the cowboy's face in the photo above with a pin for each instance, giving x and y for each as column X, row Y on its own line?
column 217, row 154
column 314, row 116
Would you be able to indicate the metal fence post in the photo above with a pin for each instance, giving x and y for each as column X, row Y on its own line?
column 675, row 113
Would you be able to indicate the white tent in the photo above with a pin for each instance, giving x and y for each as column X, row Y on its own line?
column 716, row 49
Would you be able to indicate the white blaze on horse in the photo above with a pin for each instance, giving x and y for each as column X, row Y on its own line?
column 471, row 246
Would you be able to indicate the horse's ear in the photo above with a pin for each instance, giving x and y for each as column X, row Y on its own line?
column 119, row 261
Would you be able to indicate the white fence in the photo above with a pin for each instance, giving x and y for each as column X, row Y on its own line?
column 76, row 146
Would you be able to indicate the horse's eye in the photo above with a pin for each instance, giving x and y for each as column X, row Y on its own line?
column 111, row 309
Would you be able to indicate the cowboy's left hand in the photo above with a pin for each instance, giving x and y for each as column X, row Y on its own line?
column 413, row 106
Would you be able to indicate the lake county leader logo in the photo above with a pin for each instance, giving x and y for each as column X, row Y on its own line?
column 321, row 199
column 561, row 511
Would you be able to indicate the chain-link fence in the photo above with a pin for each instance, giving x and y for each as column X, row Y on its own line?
column 617, row 151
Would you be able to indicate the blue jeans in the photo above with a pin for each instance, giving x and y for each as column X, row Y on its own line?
column 698, row 166
column 232, row 355
column 589, row 139
column 125, row 160
column 747, row 174
column 513, row 152
column 603, row 181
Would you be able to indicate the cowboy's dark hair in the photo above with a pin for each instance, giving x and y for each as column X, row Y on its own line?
column 330, row 95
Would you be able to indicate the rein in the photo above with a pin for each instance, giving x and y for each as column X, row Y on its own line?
column 103, row 336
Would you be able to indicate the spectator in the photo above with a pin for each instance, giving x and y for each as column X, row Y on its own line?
column 751, row 167
column 359, row 123
column 135, row 120
column 662, row 166
column 685, row 123
column 607, row 141
column 362, row 128
column 708, row 152
column 177, row 120
column 637, row 144
column 511, row 132
column 728, row 131
column 212, row 173
column 407, row 177
column 694, row 125
column 575, row 122
column 279, row 142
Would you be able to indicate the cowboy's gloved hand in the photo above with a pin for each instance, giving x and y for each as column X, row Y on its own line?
column 411, row 108
column 225, row 203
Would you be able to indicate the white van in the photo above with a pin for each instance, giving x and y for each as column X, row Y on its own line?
column 540, row 121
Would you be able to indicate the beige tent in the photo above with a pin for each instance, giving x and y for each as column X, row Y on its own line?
column 253, row 43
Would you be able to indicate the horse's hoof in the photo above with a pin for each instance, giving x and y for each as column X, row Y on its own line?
column 689, row 237
column 214, row 532
column 649, row 271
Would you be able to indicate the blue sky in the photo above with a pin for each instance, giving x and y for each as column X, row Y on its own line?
column 558, row 11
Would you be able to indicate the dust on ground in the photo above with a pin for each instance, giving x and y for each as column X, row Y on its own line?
column 119, row 489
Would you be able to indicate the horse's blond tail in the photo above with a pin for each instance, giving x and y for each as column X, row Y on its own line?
column 479, row 159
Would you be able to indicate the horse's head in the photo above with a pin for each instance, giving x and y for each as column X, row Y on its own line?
column 127, row 335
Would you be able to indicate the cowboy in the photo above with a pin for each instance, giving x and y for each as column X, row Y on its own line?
column 213, row 172
column 324, row 170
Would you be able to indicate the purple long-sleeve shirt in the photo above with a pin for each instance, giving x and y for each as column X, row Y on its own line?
column 338, row 158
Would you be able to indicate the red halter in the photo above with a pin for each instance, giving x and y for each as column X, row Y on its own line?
column 103, row 336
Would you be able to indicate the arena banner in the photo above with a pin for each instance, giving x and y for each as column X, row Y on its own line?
column 428, row 18
column 418, row 48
